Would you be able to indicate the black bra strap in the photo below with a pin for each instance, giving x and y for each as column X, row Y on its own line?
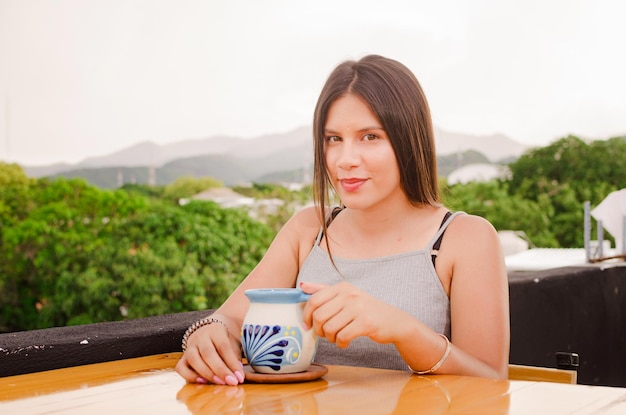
column 437, row 244
column 333, row 214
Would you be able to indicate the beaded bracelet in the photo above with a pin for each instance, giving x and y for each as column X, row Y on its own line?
column 200, row 323
column 439, row 363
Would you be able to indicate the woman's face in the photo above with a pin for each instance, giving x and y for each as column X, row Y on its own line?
column 359, row 156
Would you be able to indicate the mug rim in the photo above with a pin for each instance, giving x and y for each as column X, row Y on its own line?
column 276, row 295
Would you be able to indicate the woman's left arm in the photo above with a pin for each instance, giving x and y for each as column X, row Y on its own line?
column 471, row 265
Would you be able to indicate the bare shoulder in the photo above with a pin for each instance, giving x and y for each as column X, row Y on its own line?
column 472, row 238
column 306, row 218
column 296, row 237
column 472, row 226
column 302, row 226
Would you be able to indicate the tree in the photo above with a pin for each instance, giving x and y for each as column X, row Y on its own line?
column 492, row 201
column 188, row 186
column 56, row 233
column 571, row 161
column 78, row 254
column 565, row 174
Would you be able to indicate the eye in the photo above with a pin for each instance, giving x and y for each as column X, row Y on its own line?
column 370, row 137
column 333, row 139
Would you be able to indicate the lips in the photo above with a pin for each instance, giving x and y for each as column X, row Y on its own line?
column 351, row 184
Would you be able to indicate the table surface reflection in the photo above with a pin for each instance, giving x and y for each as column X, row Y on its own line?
column 149, row 385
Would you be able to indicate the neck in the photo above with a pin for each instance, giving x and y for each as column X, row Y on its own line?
column 391, row 216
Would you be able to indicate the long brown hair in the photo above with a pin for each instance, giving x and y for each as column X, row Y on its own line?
column 396, row 98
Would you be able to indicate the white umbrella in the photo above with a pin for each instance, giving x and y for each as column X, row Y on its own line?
column 612, row 211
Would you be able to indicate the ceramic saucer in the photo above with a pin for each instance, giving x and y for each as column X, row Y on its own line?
column 314, row 371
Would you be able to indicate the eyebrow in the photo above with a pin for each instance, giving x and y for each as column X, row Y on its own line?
column 360, row 130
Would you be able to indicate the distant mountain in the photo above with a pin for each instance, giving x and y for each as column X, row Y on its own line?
column 148, row 154
column 495, row 146
column 48, row 170
column 235, row 160
column 446, row 164
column 155, row 155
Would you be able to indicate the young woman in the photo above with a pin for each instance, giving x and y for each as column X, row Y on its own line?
column 397, row 281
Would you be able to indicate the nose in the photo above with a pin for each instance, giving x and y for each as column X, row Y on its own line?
column 349, row 155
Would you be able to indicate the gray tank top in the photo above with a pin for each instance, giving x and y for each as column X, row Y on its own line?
column 408, row 281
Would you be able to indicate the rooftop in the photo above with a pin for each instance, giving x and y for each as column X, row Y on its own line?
column 537, row 259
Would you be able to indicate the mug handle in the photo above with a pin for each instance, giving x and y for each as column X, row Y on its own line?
column 303, row 297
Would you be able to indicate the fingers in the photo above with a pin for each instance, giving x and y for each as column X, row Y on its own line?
column 320, row 297
column 326, row 318
column 339, row 329
column 186, row 372
column 310, row 288
column 212, row 356
column 330, row 312
column 217, row 363
column 232, row 359
column 194, row 369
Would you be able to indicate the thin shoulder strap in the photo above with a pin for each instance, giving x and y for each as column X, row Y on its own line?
column 439, row 235
column 330, row 216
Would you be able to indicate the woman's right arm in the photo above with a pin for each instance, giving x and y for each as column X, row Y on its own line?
column 213, row 351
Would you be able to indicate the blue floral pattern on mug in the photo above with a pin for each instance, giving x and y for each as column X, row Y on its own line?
column 271, row 346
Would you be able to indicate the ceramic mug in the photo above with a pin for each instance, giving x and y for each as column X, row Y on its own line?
column 272, row 336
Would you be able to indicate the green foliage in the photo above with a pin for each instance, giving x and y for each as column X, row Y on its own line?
column 188, row 186
column 565, row 174
column 152, row 192
column 590, row 170
column 76, row 254
column 12, row 175
column 55, row 231
column 165, row 260
column 547, row 189
column 491, row 201
column 14, row 194
column 275, row 191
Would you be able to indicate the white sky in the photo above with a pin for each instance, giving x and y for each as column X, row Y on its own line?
column 82, row 78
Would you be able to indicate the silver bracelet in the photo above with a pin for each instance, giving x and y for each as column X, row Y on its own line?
column 439, row 363
column 195, row 326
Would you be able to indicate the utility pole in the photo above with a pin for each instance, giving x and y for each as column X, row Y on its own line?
column 152, row 176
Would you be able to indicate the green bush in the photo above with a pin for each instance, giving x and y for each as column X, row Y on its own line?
column 75, row 254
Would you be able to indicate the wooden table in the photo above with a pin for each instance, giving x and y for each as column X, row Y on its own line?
column 148, row 385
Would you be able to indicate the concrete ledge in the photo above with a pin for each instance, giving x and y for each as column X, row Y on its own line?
column 55, row 348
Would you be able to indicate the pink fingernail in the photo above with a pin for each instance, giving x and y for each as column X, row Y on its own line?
column 240, row 376
column 231, row 380
column 305, row 327
column 218, row 381
column 200, row 380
